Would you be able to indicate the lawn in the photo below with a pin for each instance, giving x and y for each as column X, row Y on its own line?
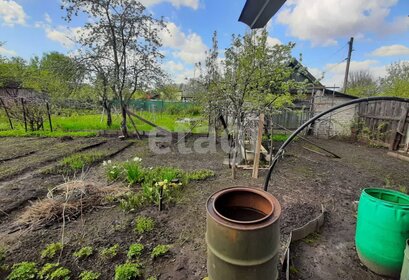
column 89, row 125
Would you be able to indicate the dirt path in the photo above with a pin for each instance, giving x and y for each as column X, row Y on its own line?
column 301, row 182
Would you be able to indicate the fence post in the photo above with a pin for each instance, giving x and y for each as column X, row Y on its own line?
column 7, row 113
column 24, row 114
column 49, row 117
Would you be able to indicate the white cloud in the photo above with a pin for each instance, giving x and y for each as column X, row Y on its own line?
column 7, row 52
column 178, row 71
column 64, row 35
column 194, row 4
column 11, row 13
column 189, row 48
column 47, row 18
column 324, row 21
column 273, row 41
column 392, row 50
column 334, row 73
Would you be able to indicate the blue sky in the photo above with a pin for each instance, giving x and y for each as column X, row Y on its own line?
column 320, row 29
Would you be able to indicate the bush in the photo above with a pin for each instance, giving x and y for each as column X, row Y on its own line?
column 160, row 250
column 83, row 253
column 128, row 271
column 135, row 251
column 89, row 275
column 53, row 271
column 111, row 252
column 23, row 271
column 144, row 224
column 51, row 250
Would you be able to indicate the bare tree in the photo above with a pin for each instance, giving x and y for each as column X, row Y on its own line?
column 122, row 37
column 362, row 83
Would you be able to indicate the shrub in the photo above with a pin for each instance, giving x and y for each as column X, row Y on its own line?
column 89, row 275
column 51, row 250
column 128, row 271
column 144, row 224
column 160, row 250
column 200, row 174
column 23, row 271
column 135, row 251
column 53, row 271
column 83, row 253
column 111, row 252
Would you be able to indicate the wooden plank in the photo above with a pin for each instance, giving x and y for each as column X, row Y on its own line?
column 398, row 134
column 258, row 146
column 148, row 122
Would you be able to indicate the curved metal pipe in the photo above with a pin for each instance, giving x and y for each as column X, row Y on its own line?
column 310, row 121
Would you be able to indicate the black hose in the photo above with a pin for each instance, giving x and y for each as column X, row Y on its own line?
column 280, row 152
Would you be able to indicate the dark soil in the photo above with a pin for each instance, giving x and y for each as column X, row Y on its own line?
column 301, row 182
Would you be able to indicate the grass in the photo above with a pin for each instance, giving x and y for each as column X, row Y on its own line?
column 78, row 161
column 87, row 125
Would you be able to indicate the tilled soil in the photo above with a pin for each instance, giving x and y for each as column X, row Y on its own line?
column 301, row 182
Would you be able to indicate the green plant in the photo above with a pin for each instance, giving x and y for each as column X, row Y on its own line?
column 201, row 174
column 51, row 250
column 132, row 201
column 89, row 275
column 160, row 250
column 79, row 161
column 111, row 252
column 144, row 224
column 53, row 271
column 135, row 250
column 134, row 171
column 83, row 253
column 23, row 271
column 128, row 271
column 312, row 238
column 151, row 278
column 113, row 171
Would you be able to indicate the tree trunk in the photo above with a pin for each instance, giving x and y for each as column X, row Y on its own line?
column 108, row 109
column 124, row 128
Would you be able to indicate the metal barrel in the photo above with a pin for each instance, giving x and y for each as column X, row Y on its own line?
column 243, row 234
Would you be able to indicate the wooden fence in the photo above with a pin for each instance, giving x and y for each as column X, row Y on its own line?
column 386, row 122
column 291, row 119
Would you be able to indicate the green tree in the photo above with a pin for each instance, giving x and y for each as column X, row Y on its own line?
column 123, row 38
column 362, row 84
column 396, row 82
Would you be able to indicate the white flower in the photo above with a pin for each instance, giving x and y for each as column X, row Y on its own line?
column 137, row 159
column 104, row 163
column 109, row 161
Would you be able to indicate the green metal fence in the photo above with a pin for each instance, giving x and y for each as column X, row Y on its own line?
column 158, row 105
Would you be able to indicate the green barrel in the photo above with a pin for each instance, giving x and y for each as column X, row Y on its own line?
column 404, row 274
column 382, row 230
column 243, row 235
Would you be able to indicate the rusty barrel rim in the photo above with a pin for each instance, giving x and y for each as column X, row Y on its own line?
column 272, row 216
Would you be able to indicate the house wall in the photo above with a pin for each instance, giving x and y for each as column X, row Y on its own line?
column 337, row 123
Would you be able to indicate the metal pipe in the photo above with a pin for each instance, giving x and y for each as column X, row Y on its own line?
column 313, row 119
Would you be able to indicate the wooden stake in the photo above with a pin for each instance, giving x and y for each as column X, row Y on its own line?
column 24, row 114
column 7, row 113
column 49, row 117
column 134, row 125
column 258, row 146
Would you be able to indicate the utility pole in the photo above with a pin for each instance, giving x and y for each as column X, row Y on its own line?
column 350, row 43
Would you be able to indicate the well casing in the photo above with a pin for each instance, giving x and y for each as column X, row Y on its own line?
column 243, row 234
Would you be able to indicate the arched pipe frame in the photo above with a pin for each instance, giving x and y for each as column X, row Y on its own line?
column 280, row 152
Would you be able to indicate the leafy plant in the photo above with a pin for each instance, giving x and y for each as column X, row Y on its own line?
column 111, row 252
column 84, row 252
column 79, row 161
column 133, row 171
column 152, row 278
column 135, row 250
column 89, row 275
column 144, row 224
column 23, row 271
column 128, row 271
column 113, row 171
column 160, row 250
column 53, row 271
column 51, row 250
column 132, row 201
column 201, row 174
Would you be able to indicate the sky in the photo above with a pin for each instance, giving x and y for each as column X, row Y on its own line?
column 320, row 29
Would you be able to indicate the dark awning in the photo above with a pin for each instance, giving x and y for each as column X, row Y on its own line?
column 256, row 13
